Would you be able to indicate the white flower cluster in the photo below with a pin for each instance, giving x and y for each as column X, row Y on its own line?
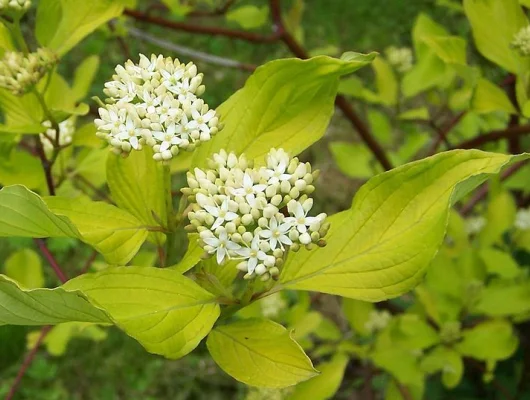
column 522, row 219
column 474, row 225
column 272, row 305
column 254, row 214
column 377, row 321
column 19, row 71
column 49, row 137
column 156, row 103
column 400, row 58
column 18, row 6
column 521, row 41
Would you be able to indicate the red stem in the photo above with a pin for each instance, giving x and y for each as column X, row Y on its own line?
column 201, row 30
column 27, row 362
column 510, row 132
column 51, row 260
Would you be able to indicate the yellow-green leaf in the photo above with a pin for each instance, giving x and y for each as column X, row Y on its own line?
column 488, row 97
column 24, row 266
column 259, row 353
column 381, row 247
column 286, row 103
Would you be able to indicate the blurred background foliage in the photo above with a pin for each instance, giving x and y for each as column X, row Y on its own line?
column 106, row 364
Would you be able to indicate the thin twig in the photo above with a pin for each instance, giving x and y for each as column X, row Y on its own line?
column 482, row 192
column 88, row 263
column 121, row 41
column 46, row 166
column 201, row 30
column 51, row 260
column 510, row 132
column 27, row 362
column 96, row 190
column 405, row 392
column 442, row 134
column 189, row 52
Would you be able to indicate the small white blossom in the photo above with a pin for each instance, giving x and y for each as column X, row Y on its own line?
column 300, row 220
column 400, row 58
column 474, row 225
column 277, row 233
column 11, row 7
column 49, row 137
column 521, row 41
column 221, row 245
column 522, row 219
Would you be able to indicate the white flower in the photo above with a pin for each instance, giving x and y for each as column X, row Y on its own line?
column 300, row 219
column 221, row 245
column 253, row 254
column 277, row 233
column 522, row 219
column 167, row 138
column 221, row 213
column 249, row 189
column 521, row 41
column 130, row 132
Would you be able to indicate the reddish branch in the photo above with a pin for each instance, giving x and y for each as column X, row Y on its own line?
column 27, row 362
column 46, row 166
column 442, row 134
column 481, row 193
column 201, row 30
column 508, row 133
column 51, row 260
column 215, row 13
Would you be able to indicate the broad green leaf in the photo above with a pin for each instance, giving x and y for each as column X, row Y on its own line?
column 400, row 363
column 192, row 256
column 83, row 77
column 353, row 159
column 306, row 325
column 499, row 263
column 25, row 267
column 357, row 314
column 6, row 43
column 166, row 312
column 293, row 20
column 58, row 338
column 421, row 113
column 489, row 98
column 20, row 112
column 259, row 353
column 491, row 340
column 20, row 167
column 493, row 38
column 249, row 16
column 381, row 247
column 177, row 7
column 385, row 81
column 115, row 233
column 138, row 184
column 326, row 384
column 23, row 213
column 85, row 135
column 427, row 73
column 425, row 27
column 504, row 299
column 450, row 49
column 286, row 103
column 45, row 306
column 446, row 360
column 328, row 330
column 78, row 19
column 90, row 168
column 500, row 216
column 381, row 126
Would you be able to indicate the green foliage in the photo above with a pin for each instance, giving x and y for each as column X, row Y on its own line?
column 288, row 104
column 391, row 210
column 259, row 353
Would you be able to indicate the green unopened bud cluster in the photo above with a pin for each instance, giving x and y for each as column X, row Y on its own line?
column 19, row 72
column 156, row 103
column 521, row 42
column 254, row 214
column 377, row 321
column 451, row 331
column 400, row 58
column 14, row 7
column 49, row 136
